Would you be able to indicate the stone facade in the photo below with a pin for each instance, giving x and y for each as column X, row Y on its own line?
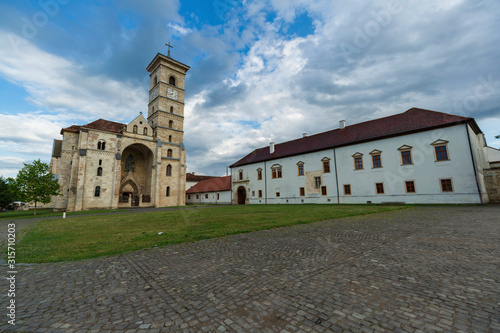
column 106, row 164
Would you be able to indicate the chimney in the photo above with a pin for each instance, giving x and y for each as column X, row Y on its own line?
column 342, row 124
column 304, row 135
column 271, row 148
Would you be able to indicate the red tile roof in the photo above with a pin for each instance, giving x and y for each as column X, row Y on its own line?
column 212, row 185
column 411, row 121
column 196, row 178
column 99, row 124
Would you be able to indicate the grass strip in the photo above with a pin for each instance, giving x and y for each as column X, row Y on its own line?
column 95, row 236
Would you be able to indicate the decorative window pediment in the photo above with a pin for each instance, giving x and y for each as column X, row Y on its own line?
column 358, row 154
column 439, row 142
column 405, row 147
column 375, row 152
column 300, row 163
column 325, row 159
column 275, row 166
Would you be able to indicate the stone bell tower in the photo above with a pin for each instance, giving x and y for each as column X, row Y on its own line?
column 166, row 117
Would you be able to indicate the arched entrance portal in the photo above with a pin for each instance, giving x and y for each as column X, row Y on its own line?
column 242, row 195
column 136, row 176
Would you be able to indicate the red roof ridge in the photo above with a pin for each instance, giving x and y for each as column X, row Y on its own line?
column 411, row 121
column 212, row 185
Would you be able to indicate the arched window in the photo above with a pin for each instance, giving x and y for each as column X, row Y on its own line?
column 169, row 170
column 171, row 80
column 171, row 109
column 169, row 153
column 97, row 191
column 100, row 162
column 168, row 191
column 169, row 138
column 135, row 129
column 130, row 163
column 101, row 145
column 156, row 80
column 145, row 131
column 171, row 124
column 99, row 171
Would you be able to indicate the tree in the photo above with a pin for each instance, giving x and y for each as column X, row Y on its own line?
column 35, row 183
column 6, row 194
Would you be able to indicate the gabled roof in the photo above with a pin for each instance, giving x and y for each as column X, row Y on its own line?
column 105, row 125
column 412, row 121
column 191, row 177
column 212, row 185
column 99, row 124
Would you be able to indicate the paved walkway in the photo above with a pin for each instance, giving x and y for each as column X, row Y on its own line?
column 425, row 269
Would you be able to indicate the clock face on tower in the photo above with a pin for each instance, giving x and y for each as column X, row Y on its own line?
column 172, row 93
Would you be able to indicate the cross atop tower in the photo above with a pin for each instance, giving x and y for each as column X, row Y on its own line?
column 169, row 47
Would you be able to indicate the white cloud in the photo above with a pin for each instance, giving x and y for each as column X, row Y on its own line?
column 57, row 83
column 179, row 30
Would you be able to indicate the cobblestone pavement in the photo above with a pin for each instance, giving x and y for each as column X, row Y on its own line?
column 424, row 269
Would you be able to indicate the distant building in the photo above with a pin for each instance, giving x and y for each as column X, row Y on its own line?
column 418, row 156
column 210, row 191
column 105, row 164
column 192, row 179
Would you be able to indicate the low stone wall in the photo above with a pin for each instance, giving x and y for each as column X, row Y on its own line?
column 492, row 181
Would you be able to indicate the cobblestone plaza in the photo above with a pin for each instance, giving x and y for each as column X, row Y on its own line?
column 423, row 269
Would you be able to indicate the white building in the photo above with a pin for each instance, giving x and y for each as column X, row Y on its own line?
column 210, row 191
column 418, row 156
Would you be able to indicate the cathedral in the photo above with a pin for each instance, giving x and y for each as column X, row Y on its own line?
column 106, row 164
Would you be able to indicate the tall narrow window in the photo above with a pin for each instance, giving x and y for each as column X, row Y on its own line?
column 101, row 145
column 441, row 153
column 358, row 161
column 240, row 175
column 97, row 192
column 259, row 174
column 317, row 182
column 171, row 124
column 171, row 109
column 323, row 190
column 169, row 138
column 379, row 188
column 260, row 193
column 302, row 191
column 145, row 131
column 169, row 170
column 347, row 189
column 171, row 80
column 300, row 169
column 276, row 171
column 135, row 129
column 406, row 155
column 99, row 171
column 376, row 158
column 130, row 163
column 168, row 191
column 326, row 165
column 100, row 162
column 156, row 81
column 446, row 185
column 169, row 153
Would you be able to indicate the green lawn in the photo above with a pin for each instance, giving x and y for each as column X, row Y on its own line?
column 94, row 236
column 27, row 214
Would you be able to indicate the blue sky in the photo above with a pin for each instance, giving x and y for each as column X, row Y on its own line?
column 261, row 70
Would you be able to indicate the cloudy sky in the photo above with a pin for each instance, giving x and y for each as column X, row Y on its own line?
column 261, row 70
